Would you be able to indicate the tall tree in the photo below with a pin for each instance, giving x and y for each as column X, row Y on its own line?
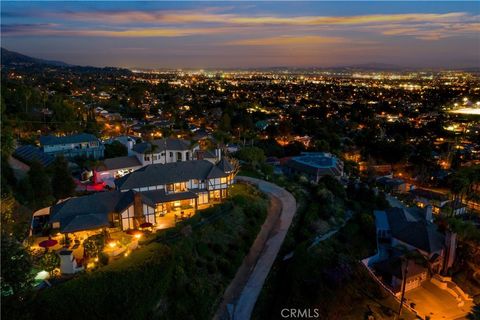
column 62, row 182
column 40, row 183
column 16, row 268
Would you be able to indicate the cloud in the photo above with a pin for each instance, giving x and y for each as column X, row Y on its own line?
column 286, row 40
column 213, row 20
column 50, row 30
column 211, row 15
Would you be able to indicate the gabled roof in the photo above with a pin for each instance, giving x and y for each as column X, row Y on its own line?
column 160, row 174
column 121, row 162
column 390, row 182
column 408, row 226
column 429, row 194
column 162, row 145
column 91, row 211
column 76, row 138
column 225, row 165
column 29, row 153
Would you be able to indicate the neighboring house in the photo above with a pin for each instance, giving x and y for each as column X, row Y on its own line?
column 28, row 154
column 160, row 151
column 315, row 165
column 424, row 197
column 127, row 141
column 79, row 145
column 392, row 185
column 164, row 151
column 114, row 168
column 402, row 231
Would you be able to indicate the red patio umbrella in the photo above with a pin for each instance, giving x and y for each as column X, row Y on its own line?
column 146, row 225
column 48, row 243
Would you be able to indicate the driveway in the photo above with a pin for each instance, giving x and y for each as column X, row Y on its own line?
column 242, row 293
column 432, row 301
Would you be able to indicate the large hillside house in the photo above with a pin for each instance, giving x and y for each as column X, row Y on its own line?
column 180, row 185
column 78, row 145
column 409, row 235
column 158, row 194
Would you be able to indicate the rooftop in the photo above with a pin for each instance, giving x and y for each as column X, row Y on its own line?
column 76, row 138
column 160, row 174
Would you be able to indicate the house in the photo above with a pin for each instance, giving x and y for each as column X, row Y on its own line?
column 392, row 185
column 78, row 145
column 424, row 197
column 157, row 194
column 28, row 154
column 403, row 233
column 125, row 210
column 196, row 182
column 154, row 152
column 164, row 151
column 114, row 168
column 315, row 165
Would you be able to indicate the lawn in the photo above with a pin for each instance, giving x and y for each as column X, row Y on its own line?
column 180, row 275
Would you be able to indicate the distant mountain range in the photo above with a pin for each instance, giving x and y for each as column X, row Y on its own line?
column 15, row 60
column 11, row 58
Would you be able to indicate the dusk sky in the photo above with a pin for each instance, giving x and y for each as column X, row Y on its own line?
column 245, row 34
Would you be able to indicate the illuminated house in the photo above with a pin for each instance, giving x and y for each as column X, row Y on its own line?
column 164, row 151
column 159, row 151
column 423, row 198
column 78, row 145
column 180, row 186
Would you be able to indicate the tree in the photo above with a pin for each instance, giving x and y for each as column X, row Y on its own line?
column 40, row 183
column 115, row 149
column 50, row 261
column 16, row 268
column 62, row 182
column 252, row 155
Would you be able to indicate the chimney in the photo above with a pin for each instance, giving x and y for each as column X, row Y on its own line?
column 429, row 213
column 451, row 250
column 137, row 210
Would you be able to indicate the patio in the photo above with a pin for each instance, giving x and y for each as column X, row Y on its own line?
column 436, row 303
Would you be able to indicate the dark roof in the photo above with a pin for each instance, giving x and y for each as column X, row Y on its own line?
column 407, row 226
column 90, row 212
column 162, row 145
column 159, row 196
column 121, row 162
column 225, row 165
column 428, row 194
column 29, row 153
column 389, row 182
column 76, row 138
column 393, row 266
column 159, row 174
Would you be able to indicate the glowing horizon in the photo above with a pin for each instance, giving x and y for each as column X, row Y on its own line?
column 245, row 34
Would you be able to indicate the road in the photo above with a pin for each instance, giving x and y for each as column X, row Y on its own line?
column 241, row 295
